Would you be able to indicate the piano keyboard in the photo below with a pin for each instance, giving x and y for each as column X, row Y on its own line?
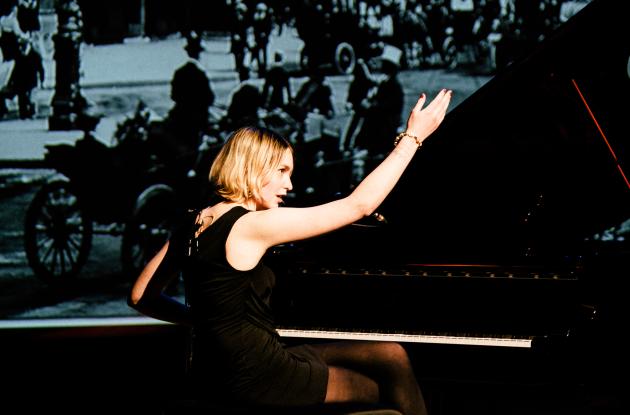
column 408, row 338
column 121, row 322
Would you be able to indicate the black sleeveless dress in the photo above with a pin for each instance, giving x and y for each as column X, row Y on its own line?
column 237, row 353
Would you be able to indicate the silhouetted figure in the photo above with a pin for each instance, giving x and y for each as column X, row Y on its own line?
column 438, row 23
column 243, row 110
column 8, row 17
column 313, row 96
column 382, row 111
column 27, row 74
column 311, row 23
column 414, row 34
column 192, row 94
column 9, row 49
column 262, row 25
column 28, row 15
column 277, row 89
column 238, row 39
column 359, row 89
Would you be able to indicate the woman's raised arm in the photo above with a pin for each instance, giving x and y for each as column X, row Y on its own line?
column 263, row 229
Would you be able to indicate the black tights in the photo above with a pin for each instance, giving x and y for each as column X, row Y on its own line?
column 372, row 372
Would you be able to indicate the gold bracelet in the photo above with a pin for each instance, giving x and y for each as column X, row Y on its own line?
column 406, row 134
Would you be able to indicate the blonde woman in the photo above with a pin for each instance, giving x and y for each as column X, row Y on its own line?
column 238, row 356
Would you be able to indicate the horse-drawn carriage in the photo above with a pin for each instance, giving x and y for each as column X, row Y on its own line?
column 136, row 187
column 336, row 38
column 125, row 189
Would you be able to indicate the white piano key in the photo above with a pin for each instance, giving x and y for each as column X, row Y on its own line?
column 407, row 338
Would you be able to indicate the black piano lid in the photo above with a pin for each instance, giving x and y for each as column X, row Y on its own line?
column 520, row 172
column 521, row 166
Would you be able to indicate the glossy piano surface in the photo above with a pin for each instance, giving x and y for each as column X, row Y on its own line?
column 502, row 223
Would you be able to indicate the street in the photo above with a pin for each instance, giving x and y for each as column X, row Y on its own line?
column 22, row 295
column 100, row 289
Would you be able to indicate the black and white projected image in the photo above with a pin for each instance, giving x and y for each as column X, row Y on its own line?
column 111, row 112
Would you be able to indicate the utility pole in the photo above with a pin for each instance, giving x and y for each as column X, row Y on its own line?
column 67, row 102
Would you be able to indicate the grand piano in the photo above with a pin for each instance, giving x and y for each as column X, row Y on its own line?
column 500, row 256
column 508, row 235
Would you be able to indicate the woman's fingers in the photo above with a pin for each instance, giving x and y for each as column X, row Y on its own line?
column 440, row 102
column 424, row 120
column 435, row 104
column 442, row 96
column 420, row 103
column 446, row 99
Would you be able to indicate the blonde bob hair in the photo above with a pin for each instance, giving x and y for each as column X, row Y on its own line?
column 246, row 159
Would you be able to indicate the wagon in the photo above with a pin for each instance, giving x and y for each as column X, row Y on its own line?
column 335, row 40
column 120, row 190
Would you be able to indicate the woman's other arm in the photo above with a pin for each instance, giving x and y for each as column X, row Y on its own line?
column 147, row 294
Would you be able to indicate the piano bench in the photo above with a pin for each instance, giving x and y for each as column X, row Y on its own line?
column 199, row 407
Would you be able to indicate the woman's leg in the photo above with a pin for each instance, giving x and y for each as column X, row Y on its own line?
column 371, row 371
column 346, row 385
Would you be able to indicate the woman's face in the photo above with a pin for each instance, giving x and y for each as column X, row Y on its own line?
column 277, row 184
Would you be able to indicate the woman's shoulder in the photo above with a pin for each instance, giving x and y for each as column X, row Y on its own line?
column 219, row 213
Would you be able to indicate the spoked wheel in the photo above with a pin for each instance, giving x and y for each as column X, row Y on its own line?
column 148, row 229
column 345, row 58
column 57, row 233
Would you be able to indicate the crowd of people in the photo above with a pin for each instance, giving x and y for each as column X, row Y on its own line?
column 431, row 33
column 444, row 31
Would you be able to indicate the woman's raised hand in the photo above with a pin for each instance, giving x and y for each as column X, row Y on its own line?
column 423, row 121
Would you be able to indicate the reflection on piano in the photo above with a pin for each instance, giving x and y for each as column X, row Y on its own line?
column 488, row 239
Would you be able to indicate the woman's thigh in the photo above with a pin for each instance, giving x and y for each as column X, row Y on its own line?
column 368, row 357
column 347, row 385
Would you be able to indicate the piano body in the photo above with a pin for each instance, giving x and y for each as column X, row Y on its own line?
column 500, row 257
column 505, row 231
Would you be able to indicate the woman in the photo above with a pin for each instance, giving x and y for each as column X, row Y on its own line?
column 237, row 353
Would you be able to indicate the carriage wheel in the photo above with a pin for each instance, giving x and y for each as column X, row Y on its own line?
column 57, row 233
column 148, row 229
column 345, row 58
